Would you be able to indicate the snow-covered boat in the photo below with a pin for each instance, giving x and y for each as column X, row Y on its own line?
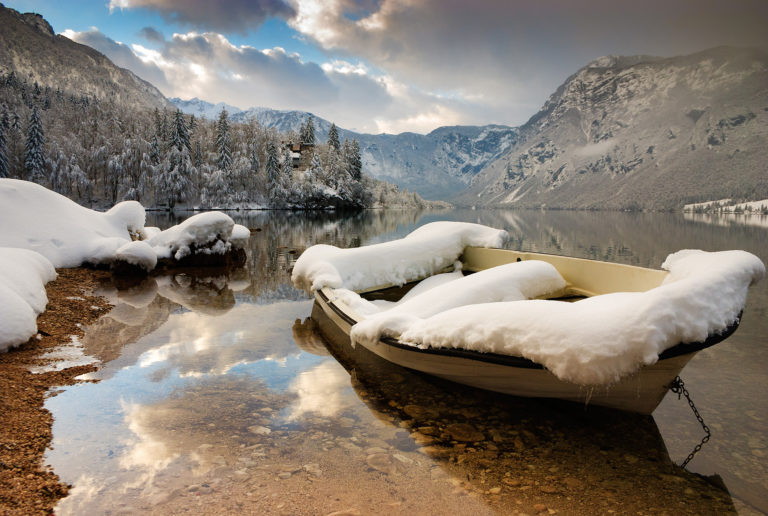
column 527, row 324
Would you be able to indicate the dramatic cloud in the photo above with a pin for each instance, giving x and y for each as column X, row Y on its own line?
column 151, row 34
column 512, row 54
column 121, row 55
column 210, row 67
column 232, row 15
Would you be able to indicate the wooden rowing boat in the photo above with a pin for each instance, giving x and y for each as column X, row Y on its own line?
column 640, row 392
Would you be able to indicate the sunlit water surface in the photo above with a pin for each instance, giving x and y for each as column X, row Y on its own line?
column 217, row 395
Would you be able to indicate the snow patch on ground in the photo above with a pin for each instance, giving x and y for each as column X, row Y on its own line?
column 728, row 206
column 23, row 275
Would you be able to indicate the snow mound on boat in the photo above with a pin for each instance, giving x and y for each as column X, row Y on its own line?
column 510, row 282
column 66, row 233
column 23, row 275
column 601, row 339
column 426, row 251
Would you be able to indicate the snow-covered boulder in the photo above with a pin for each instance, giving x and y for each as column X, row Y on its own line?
column 66, row 233
column 23, row 275
column 206, row 239
column 134, row 258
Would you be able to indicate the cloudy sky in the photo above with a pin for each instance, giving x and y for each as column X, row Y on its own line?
column 390, row 65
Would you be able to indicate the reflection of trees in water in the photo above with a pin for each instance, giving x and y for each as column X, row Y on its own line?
column 643, row 239
column 279, row 237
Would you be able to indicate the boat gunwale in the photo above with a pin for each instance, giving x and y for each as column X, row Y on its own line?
column 679, row 349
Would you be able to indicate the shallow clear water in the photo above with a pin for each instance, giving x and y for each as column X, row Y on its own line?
column 216, row 394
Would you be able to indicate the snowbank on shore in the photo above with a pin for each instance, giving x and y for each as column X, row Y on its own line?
column 66, row 233
column 23, row 275
column 70, row 235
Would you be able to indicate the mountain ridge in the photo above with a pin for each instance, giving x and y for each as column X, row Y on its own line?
column 31, row 49
column 640, row 132
column 436, row 165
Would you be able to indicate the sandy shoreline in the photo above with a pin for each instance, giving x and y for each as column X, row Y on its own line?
column 26, row 485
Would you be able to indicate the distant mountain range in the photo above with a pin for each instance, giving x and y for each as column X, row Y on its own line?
column 641, row 133
column 634, row 132
column 30, row 49
column 436, row 165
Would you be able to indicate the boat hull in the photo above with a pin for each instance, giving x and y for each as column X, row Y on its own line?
column 640, row 393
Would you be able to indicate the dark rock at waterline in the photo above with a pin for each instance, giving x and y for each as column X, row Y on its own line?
column 231, row 259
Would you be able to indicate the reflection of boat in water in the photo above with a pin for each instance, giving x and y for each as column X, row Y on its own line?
column 536, row 450
column 639, row 392
column 308, row 339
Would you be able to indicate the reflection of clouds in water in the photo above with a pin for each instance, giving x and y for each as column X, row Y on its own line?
column 322, row 390
column 146, row 456
column 199, row 344
column 79, row 500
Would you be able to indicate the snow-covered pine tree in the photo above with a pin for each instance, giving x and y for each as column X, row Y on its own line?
column 198, row 156
column 34, row 161
column 286, row 170
column 354, row 161
column 154, row 151
column 333, row 138
column 179, row 132
column 223, row 142
column 174, row 182
column 309, row 132
column 4, row 166
column 59, row 165
column 274, row 187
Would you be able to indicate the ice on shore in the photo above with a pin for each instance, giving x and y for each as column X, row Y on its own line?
column 23, row 275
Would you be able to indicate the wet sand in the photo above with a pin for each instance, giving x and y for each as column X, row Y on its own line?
column 26, row 485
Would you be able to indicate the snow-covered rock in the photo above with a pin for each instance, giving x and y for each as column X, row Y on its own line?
column 207, row 233
column 139, row 254
column 66, row 233
column 23, row 275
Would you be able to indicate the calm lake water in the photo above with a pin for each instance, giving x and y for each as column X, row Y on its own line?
column 217, row 395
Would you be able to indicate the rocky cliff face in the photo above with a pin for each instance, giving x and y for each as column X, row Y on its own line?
column 641, row 132
column 30, row 48
column 436, row 165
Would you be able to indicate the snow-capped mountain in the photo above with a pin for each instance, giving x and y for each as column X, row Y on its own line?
column 641, row 132
column 203, row 109
column 436, row 165
column 30, row 48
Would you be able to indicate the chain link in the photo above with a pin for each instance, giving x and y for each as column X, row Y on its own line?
column 678, row 387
